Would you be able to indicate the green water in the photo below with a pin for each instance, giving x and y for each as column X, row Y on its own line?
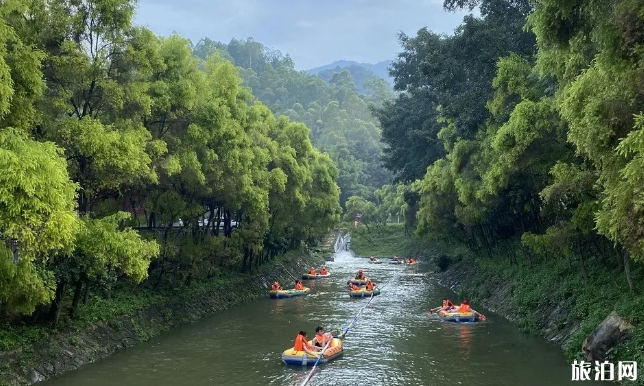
column 394, row 342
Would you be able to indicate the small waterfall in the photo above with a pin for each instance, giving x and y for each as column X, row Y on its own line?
column 342, row 243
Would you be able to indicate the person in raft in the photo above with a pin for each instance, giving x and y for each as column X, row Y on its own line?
column 354, row 287
column 372, row 258
column 464, row 307
column 276, row 286
column 312, row 271
column 298, row 285
column 321, row 338
column 301, row 344
column 324, row 271
column 447, row 305
column 395, row 258
column 369, row 285
column 360, row 275
column 411, row 260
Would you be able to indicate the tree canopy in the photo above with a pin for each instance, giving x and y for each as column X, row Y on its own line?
column 531, row 128
column 336, row 110
column 128, row 156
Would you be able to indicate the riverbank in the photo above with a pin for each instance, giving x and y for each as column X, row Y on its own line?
column 547, row 296
column 60, row 351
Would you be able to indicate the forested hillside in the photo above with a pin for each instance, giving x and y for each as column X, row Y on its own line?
column 340, row 120
column 526, row 145
column 109, row 134
column 380, row 69
column 361, row 77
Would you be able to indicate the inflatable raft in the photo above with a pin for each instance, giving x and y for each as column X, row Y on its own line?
column 289, row 293
column 363, row 293
column 302, row 358
column 375, row 261
column 396, row 262
column 457, row 317
column 357, row 282
column 308, row 276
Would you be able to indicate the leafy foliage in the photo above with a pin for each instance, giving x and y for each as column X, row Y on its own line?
column 110, row 134
column 532, row 145
column 338, row 116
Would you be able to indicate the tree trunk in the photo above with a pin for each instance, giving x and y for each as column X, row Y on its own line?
column 620, row 258
column 227, row 226
column 86, row 294
column 78, row 292
column 211, row 221
column 245, row 259
column 152, row 220
column 627, row 271
column 54, row 310
column 217, row 221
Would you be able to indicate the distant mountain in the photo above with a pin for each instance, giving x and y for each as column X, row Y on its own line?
column 379, row 69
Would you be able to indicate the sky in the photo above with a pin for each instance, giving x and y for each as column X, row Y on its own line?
column 313, row 32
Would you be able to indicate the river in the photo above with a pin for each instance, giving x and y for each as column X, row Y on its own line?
column 393, row 342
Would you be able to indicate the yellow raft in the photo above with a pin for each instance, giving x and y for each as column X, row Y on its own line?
column 458, row 317
column 289, row 293
column 302, row 358
column 364, row 293
column 308, row 276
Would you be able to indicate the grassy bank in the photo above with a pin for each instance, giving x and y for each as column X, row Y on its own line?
column 544, row 295
column 125, row 300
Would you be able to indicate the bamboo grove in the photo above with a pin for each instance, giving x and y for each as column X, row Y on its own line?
column 526, row 126
column 110, row 134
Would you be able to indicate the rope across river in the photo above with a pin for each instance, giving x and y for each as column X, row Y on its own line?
column 346, row 330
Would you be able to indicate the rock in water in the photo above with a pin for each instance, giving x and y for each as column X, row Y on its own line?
column 606, row 336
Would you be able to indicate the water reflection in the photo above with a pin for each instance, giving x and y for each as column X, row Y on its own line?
column 465, row 337
column 278, row 307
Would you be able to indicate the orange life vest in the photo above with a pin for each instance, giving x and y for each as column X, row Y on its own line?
column 276, row 287
column 311, row 272
column 300, row 343
column 324, row 338
column 355, row 287
column 324, row 272
column 321, row 338
column 360, row 276
column 370, row 286
column 464, row 308
column 299, row 286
